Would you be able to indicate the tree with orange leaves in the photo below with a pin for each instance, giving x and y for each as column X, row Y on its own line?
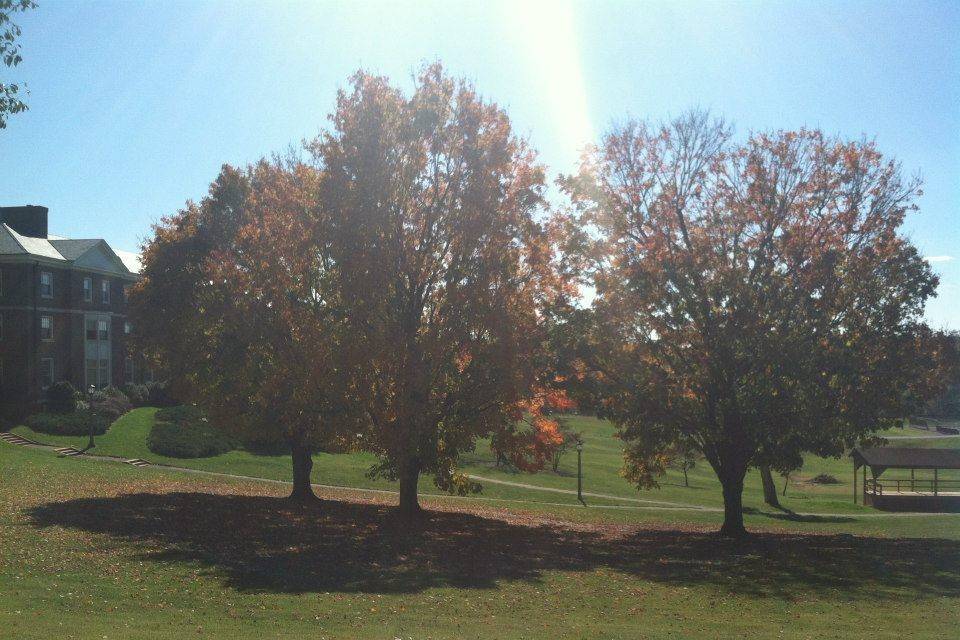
column 755, row 301
column 433, row 205
column 235, row 304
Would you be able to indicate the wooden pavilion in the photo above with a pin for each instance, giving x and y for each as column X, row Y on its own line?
column 908, row 493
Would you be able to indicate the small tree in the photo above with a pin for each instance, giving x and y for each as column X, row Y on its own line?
column 570, row 439
column 683, row 456
column 755, row 299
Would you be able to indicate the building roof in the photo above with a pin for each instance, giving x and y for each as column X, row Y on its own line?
column 881, row 458
column 16, row 244
column 57, row 249
column 73, row 249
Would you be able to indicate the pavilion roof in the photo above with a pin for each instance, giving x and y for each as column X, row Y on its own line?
column 880, row 458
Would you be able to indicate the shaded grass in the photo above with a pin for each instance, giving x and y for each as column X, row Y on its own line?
column 95, row 549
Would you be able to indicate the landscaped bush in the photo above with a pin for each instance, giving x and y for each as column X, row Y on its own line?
column 109, row 402
column 159, row 395
column 76, row 423
column 61, row 398
column 184, row 432
column 138, row 394
column 824, row 478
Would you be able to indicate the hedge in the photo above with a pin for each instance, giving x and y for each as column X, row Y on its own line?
column 68, row 424
column 183, row 432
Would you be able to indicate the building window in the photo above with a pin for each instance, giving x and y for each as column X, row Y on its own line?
column 126, row 292
column 46, row 284
column 46, row 372
column 88, row 289
column 103, row 330
column 1, row 326
column 127, row 328
column 46, row 328
column 105, row 291
column 91, row 364
column 128, row 370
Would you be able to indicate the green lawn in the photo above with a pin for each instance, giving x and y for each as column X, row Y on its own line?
column 601, row 464
column 94, row 549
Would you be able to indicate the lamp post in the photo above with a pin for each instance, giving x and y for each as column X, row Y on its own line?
column 90, row 391
column 580, row 471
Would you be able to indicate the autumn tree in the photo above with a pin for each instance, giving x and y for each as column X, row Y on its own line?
column 755, row 298
column 234, row 304
column 10, row 101
column 444, row 267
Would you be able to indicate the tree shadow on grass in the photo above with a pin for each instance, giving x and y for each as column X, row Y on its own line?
column 784, row 513
column 266, row 544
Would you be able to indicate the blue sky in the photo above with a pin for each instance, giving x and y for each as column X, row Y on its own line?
column 135, row 105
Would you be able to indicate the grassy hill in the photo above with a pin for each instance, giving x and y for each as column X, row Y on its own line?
column 94, row 549
column 549, row 491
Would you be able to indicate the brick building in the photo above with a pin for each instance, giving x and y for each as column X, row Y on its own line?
column 62, row 312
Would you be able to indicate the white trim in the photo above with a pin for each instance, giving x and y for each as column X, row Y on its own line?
column 41, row 284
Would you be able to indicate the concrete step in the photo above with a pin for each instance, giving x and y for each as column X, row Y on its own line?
column 137, row 462
column 66, row 452
column 13, row 438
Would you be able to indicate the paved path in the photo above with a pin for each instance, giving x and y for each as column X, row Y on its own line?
column 589, row 494
column 926, row 436
column 652, row 506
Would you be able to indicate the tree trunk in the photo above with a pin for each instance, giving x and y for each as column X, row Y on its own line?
column 733, row 507
column 686, row 482
column 409, row 476
column 769, row 488
column 786, row 482
column 302, row 465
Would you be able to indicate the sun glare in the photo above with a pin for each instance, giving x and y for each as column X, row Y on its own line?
column 547, row 34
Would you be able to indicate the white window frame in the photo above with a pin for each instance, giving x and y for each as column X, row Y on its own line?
column 48, row 275
column 105, row 291
column 88, row 289
column 49, row 336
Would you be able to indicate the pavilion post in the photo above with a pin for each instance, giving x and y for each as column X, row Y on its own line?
column 912, row 489
column 934, row 483
column 854, row 481
column 865, row 485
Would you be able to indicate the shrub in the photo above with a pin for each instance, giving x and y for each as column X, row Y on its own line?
column 109, row 402
column 180, row 414
column 61, row 398
column 824, row 478
column 184, row 432
column 138, row 394
column 77, row 423
column 159, row 395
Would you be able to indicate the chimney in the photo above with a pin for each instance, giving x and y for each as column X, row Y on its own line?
column 29, row 220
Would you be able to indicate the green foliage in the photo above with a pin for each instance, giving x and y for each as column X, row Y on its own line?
column 138, row 394
column 109, row 402
column 10, row 101
column 62, row 397
column 184, row 432
column 158, row 395
column 76, row 423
